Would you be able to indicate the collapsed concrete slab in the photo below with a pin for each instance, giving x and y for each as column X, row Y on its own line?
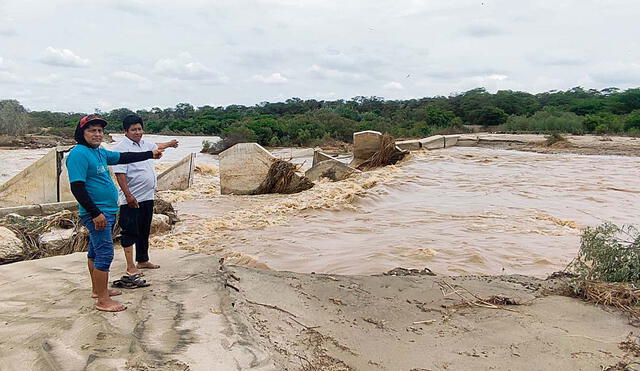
column 36, row 184
column 332, row 169
column 160, row 223
column 451, row 140
column 319, row 156
column 365, row 144
column 468, row 141
column 243, row 167
column 246, row 169
column 179, row 176
column 433, row 142
column 409, row 145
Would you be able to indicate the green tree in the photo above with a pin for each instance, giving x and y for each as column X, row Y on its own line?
column 14, row 119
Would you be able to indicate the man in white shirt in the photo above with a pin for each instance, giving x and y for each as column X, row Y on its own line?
column 137, row 183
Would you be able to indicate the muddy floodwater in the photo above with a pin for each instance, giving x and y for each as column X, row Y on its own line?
column 456, row 211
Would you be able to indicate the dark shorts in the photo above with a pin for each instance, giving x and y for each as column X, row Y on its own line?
column 136, row 226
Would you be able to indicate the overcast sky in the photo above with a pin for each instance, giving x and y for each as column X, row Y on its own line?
column 79, row 55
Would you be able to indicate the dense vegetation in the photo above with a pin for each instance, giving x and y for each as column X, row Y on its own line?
column 310, row 122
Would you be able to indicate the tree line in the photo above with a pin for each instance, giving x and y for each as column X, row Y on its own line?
column 313, row 122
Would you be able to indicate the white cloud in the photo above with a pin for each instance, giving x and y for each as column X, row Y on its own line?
column 617, row 73
column 324, row 73
column 185, row 67
column 50, row 79
column 63, row 58
column 7, row 27
column 129, row 76
column 274, row 78
column 481, row 29
column 6, row 76
column 4, row 64
column 393, row 85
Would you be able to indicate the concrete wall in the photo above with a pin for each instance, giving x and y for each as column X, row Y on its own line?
column 36, row 184
column 179, row 176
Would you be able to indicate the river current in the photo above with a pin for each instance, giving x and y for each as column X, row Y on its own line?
column 456, row 211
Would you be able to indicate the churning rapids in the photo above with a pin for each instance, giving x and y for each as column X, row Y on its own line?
column 456, row 211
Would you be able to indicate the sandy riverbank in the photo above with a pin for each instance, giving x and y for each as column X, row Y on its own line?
column 198, row 316
column 578, row 144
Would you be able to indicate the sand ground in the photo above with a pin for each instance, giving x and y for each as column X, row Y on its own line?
column 199, row 315
column 579, row 144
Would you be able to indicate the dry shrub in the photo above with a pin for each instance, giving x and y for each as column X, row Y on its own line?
column 388, row 154
column 624, row 296
column 282, row 178
column 31, row 229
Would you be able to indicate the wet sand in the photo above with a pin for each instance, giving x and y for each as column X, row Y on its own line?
column 576, row 144
column 199, row 316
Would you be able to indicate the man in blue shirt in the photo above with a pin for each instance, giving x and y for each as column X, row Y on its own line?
column 91, row 185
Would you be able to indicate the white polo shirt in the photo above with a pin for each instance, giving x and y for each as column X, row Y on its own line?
column 141, row 176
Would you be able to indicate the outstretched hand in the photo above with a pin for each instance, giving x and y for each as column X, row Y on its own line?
column 173, row 143
column 157, row 153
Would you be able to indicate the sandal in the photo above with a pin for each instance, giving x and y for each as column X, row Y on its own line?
column 130, row 282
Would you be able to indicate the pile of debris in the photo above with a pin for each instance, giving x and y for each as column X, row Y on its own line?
column 35, row 237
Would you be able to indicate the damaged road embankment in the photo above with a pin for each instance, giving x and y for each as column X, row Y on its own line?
column 199, row 315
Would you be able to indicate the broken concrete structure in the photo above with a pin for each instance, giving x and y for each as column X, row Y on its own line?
column 39, row 209
column 332, row 169
column 319, row 156
column 468, row 141
column 10, row 246
column 451, row 140
column 160, row 223
column 409, row 145
column 55, row 239
column 433, row 142
column 179, row 176
column 243, row 167
column 43, row 187
column 365, row 144
column 39, row 183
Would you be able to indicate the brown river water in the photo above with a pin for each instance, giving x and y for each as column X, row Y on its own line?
column 456, row 211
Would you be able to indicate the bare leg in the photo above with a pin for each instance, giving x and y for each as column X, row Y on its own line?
column 104, row 302
column 131, row 266
column 93, row 283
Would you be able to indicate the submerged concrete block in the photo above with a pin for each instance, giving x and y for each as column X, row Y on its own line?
column 332, row 169
column 179, row 176
column 319, row 156
column 467, row 141
column 243, row 167
column 409, row 145
column 365, row 144
column 451, row 140
column 433, row 142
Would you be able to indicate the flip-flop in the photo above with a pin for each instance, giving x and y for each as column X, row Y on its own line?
column 130, row 282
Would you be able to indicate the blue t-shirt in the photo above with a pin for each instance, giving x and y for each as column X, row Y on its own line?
column 90, row 165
